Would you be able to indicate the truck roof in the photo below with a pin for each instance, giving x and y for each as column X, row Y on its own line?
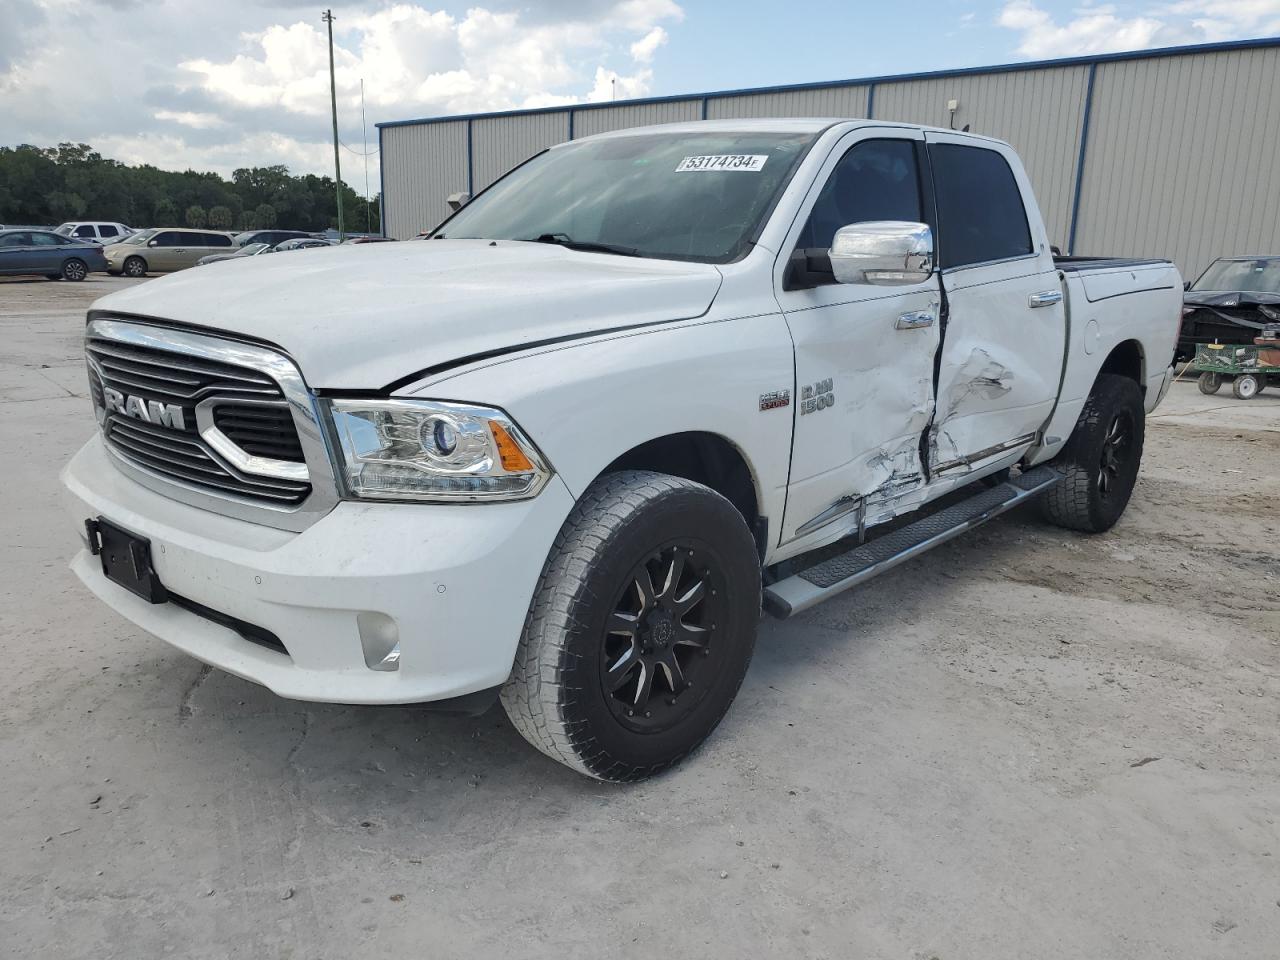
column 776, row 125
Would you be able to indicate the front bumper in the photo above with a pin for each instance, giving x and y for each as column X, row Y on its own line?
column 455, row 580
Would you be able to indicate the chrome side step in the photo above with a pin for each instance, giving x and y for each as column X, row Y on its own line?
column 860, row 564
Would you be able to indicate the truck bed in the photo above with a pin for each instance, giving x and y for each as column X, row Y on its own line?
column 1076, row 264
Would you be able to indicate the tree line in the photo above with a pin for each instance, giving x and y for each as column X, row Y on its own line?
column 72, row 181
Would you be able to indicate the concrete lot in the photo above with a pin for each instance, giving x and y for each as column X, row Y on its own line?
column 1027, row 744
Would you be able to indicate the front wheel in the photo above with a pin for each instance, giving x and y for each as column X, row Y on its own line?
column 1100, row 461
column 1209, row 383
column 640, row 630
column 135, row 267
column 1246, row 387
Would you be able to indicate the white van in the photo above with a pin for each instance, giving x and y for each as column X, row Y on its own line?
column 103, row 231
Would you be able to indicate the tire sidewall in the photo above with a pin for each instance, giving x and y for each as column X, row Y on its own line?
column 717, row 532
column 67, row 268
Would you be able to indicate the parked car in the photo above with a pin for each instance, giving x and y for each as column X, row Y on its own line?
column 164, row 249
column 104, row 231
column 268, row 236
column 301, row 243
column 237, row 253
column 47, row 254
column 552, row 455
column 1230, row 303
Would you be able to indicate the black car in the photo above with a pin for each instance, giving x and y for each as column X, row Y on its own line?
column 45, row 253
column 271, row 237
column 1230, row 303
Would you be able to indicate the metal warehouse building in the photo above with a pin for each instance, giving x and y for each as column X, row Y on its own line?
column 1172, row 152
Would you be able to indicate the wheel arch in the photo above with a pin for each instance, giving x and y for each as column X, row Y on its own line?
column 703, row 457
column 1127, row 359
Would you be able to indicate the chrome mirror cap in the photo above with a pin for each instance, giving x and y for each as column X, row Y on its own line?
column 883, row 252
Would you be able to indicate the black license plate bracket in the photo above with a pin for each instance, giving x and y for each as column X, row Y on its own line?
column 126, row 559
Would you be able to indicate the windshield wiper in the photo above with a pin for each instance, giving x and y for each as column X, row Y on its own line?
column 564, row 240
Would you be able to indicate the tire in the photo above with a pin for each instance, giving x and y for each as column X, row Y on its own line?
column 74, row 270
column 1246, row 387
column 135, row 267
column 1100, row 462
column 1209, row 383
column 616, row 685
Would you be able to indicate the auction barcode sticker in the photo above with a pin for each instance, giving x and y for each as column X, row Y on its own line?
column 749, row 162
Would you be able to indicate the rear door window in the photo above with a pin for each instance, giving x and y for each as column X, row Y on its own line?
column 44, row 240
column 981, row 216
column 108, row 231
column 217, row 240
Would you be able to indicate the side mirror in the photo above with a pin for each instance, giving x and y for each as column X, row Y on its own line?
column 457, row 201
column 153, row 243
column 889, row 253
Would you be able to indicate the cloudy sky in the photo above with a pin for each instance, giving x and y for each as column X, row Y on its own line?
column 217, row 85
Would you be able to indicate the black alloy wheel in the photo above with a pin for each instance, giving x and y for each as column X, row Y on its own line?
column 1117, row 453
column 659, row 642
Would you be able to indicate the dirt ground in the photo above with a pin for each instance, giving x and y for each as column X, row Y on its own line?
column 1026, row 744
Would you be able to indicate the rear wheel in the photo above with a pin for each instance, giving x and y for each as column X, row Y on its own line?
column 1209, row 383
column 1246, row 387
column 641, row 628
column 135, row 267
column 74, row 270
column 1100, row 462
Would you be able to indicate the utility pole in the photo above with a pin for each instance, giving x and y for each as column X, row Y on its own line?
column 364, row 135
column 333, row 100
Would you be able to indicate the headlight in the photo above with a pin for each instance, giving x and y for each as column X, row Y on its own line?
column 433, row 450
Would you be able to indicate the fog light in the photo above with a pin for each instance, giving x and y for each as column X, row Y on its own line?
column 380, row 638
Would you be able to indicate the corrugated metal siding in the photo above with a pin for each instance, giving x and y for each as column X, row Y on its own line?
column 501, row 143
column 604, row 119
column 1039, row 112
column 1183, row 158
column 422, row 165
column 847, row 102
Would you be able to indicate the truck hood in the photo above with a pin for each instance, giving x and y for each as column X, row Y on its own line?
column 368, row 315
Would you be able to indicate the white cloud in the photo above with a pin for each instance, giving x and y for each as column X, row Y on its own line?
column 248, row 82
column 1101, row 29
column 642, row 50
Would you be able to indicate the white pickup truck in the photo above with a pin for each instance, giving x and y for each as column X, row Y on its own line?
column 564, row 450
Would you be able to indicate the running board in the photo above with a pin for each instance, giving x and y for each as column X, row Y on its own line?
column 860, row 564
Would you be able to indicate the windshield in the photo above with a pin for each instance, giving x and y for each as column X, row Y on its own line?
column 65, row 229
column 140, row 237
column 252, row 248
column 677, row 196
column 1247, row 276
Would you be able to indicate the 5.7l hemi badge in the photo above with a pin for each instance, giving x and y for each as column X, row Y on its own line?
column 775, row 399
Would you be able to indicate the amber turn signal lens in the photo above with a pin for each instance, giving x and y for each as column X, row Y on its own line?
column 513, row 459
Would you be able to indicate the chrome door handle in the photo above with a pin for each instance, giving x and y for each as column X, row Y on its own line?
column 915, row 320
column 1045, row 299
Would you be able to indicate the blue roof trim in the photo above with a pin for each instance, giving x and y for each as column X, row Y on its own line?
column 1226, row 45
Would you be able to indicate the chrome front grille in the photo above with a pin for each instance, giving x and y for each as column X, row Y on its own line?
column 172, row 408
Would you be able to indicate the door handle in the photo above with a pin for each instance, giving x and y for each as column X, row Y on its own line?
column 1046, row 298
column 915, row 320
